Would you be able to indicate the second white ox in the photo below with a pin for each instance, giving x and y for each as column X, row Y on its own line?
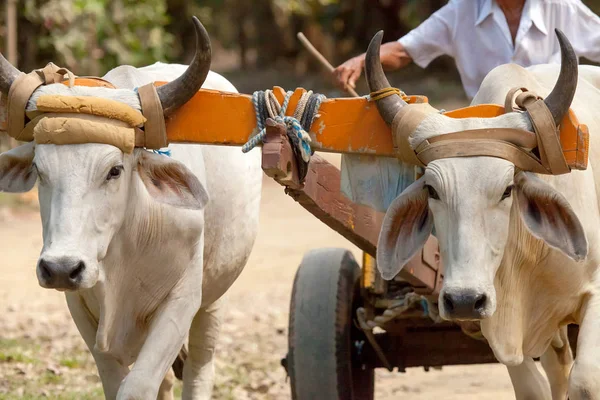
column 520, row 251
column 143, row 254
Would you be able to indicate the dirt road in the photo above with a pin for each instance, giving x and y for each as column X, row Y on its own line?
column 41, row 354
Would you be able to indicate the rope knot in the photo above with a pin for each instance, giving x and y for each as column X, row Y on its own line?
column 266, row 106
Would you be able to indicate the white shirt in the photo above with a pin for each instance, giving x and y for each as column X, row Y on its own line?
column 475, row 33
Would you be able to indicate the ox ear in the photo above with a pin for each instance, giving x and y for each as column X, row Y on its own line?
column 17, row 174
column 549, row 217
column 405, row 229
column 170, row 182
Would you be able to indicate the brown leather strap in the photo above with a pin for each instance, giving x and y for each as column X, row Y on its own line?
column 508, row 102
column 550, row 149
column 509, row 144
column 518, row 137
column 22, row 89
column 154, row 128
column 482, row 147
column 404, row 124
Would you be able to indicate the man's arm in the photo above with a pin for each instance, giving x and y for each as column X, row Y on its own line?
column 393, row 56
column 424, row 43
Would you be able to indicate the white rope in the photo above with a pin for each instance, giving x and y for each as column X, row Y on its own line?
column 266, row 103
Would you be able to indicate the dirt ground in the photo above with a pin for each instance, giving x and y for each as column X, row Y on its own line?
column 42, row 355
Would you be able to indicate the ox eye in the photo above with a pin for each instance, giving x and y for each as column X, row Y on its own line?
column 114, row 173
column 507, row 192
column 432, row 193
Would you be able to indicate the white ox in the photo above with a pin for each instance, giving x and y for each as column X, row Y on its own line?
column 521, row 251
column 143, row 254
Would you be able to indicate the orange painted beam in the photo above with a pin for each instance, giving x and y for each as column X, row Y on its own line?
column 344, row 125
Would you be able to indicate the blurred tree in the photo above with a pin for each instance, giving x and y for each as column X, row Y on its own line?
column 92, row 36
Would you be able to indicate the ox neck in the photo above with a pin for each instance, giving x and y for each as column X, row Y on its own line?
column 153, row 231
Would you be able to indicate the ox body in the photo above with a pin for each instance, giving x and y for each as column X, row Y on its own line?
column 144, row 245
column 520, row 250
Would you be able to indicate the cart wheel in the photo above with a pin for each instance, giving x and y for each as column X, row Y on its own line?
column 324, row 344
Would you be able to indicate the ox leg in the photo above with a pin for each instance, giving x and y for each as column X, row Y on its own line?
column 111, row 372
column 165, row 392
column 557, row 362
column 167, row 334
column 584, row 382
column 528, row 382
column 199, row 369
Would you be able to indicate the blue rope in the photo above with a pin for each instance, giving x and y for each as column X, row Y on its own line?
column 166, row 152
column 425, row 306
column 260, row 122
column 297, row 133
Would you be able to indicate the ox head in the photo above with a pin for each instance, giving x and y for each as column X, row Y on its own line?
column 473, row 201
column 86, row 190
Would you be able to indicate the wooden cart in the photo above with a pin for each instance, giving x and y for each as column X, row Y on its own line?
column 330, row 356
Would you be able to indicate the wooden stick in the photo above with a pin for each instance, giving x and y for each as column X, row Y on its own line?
column 320, row 57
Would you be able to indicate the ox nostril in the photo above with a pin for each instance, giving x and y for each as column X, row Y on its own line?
column 76, row 273
column 45, row 270
column 480, row 302
column 448, row 303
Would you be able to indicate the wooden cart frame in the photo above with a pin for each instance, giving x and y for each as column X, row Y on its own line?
column 408, row 341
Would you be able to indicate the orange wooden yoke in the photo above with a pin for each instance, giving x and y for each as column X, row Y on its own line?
column 344, row 125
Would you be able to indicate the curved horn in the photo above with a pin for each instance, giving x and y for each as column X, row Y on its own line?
column 8, row 74
column 559, row 100
column 176, row 93
column 389, row 106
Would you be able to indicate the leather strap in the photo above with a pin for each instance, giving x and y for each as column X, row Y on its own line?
column 508, row 102
column 404, row 124
column 548, row 142
column 513, row 145
column 154, row 135
column 481, row 147
column 518, row 137
column 22, row 89
column 154, row 128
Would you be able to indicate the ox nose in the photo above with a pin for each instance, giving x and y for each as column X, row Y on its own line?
column 465, row 305
column 62, row 274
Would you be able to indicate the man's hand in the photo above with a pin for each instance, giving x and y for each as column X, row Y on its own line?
column 348, row 73
column 393, row 56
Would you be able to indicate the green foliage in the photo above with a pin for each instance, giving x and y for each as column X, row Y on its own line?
column 92, row 36
column 307, row 8
column 15, row 351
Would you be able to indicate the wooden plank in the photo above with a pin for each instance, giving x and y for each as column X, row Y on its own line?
column 436, row 345
column 430, row 347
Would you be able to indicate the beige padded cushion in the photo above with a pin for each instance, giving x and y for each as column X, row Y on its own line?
column 90, row 105
column 79, row 129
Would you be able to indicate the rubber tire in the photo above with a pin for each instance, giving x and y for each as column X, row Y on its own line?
column 320, row 360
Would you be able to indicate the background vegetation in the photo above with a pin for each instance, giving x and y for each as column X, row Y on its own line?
column 254, row 41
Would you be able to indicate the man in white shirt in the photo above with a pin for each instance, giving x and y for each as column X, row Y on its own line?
column 482, row 34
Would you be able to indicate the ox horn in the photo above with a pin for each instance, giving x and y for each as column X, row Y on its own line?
column 559, row 100
column 388, row 106
column 178, row 92
column 8, row 74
